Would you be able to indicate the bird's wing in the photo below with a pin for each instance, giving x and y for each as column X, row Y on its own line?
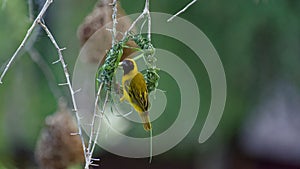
column 138, row 92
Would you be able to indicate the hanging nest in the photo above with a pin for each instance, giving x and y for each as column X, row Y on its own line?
column 56, row 147
column 100, row 18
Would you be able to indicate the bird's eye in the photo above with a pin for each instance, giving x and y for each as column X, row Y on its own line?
column 130, row 63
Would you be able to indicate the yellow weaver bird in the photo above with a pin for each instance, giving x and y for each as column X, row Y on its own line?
column 135, row 91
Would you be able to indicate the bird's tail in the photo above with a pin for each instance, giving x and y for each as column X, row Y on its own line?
column 146, row 120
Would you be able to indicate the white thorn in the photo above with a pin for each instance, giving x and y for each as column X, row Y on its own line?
column 95, row 159
column 63, row 84
column 56, row 61
column 64, row 48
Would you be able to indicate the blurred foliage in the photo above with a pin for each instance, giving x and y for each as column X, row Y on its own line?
column 257, row 40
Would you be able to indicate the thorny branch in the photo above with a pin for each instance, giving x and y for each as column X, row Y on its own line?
column 29, row 31
column 94, row 116
column 91, row 146
column 67, row 75
column 100, row 119
column 95, row 134
column 38, row 20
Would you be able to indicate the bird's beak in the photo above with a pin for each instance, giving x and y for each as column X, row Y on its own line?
column 123, row 63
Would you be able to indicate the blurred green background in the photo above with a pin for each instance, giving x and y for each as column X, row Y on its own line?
column 258, row 42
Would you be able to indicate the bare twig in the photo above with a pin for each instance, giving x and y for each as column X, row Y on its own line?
column 114, row 19
column 67, row 75
column 94, row 135
column 101, row 116
column 182, row 10
column 92, row 132
column 29, row 31
column 141, row 16
column 146, row 12
column 149, row 19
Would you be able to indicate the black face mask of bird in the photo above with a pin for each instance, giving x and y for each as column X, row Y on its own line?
column 128, row 66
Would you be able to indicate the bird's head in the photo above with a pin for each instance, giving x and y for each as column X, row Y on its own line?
column 129, row 65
